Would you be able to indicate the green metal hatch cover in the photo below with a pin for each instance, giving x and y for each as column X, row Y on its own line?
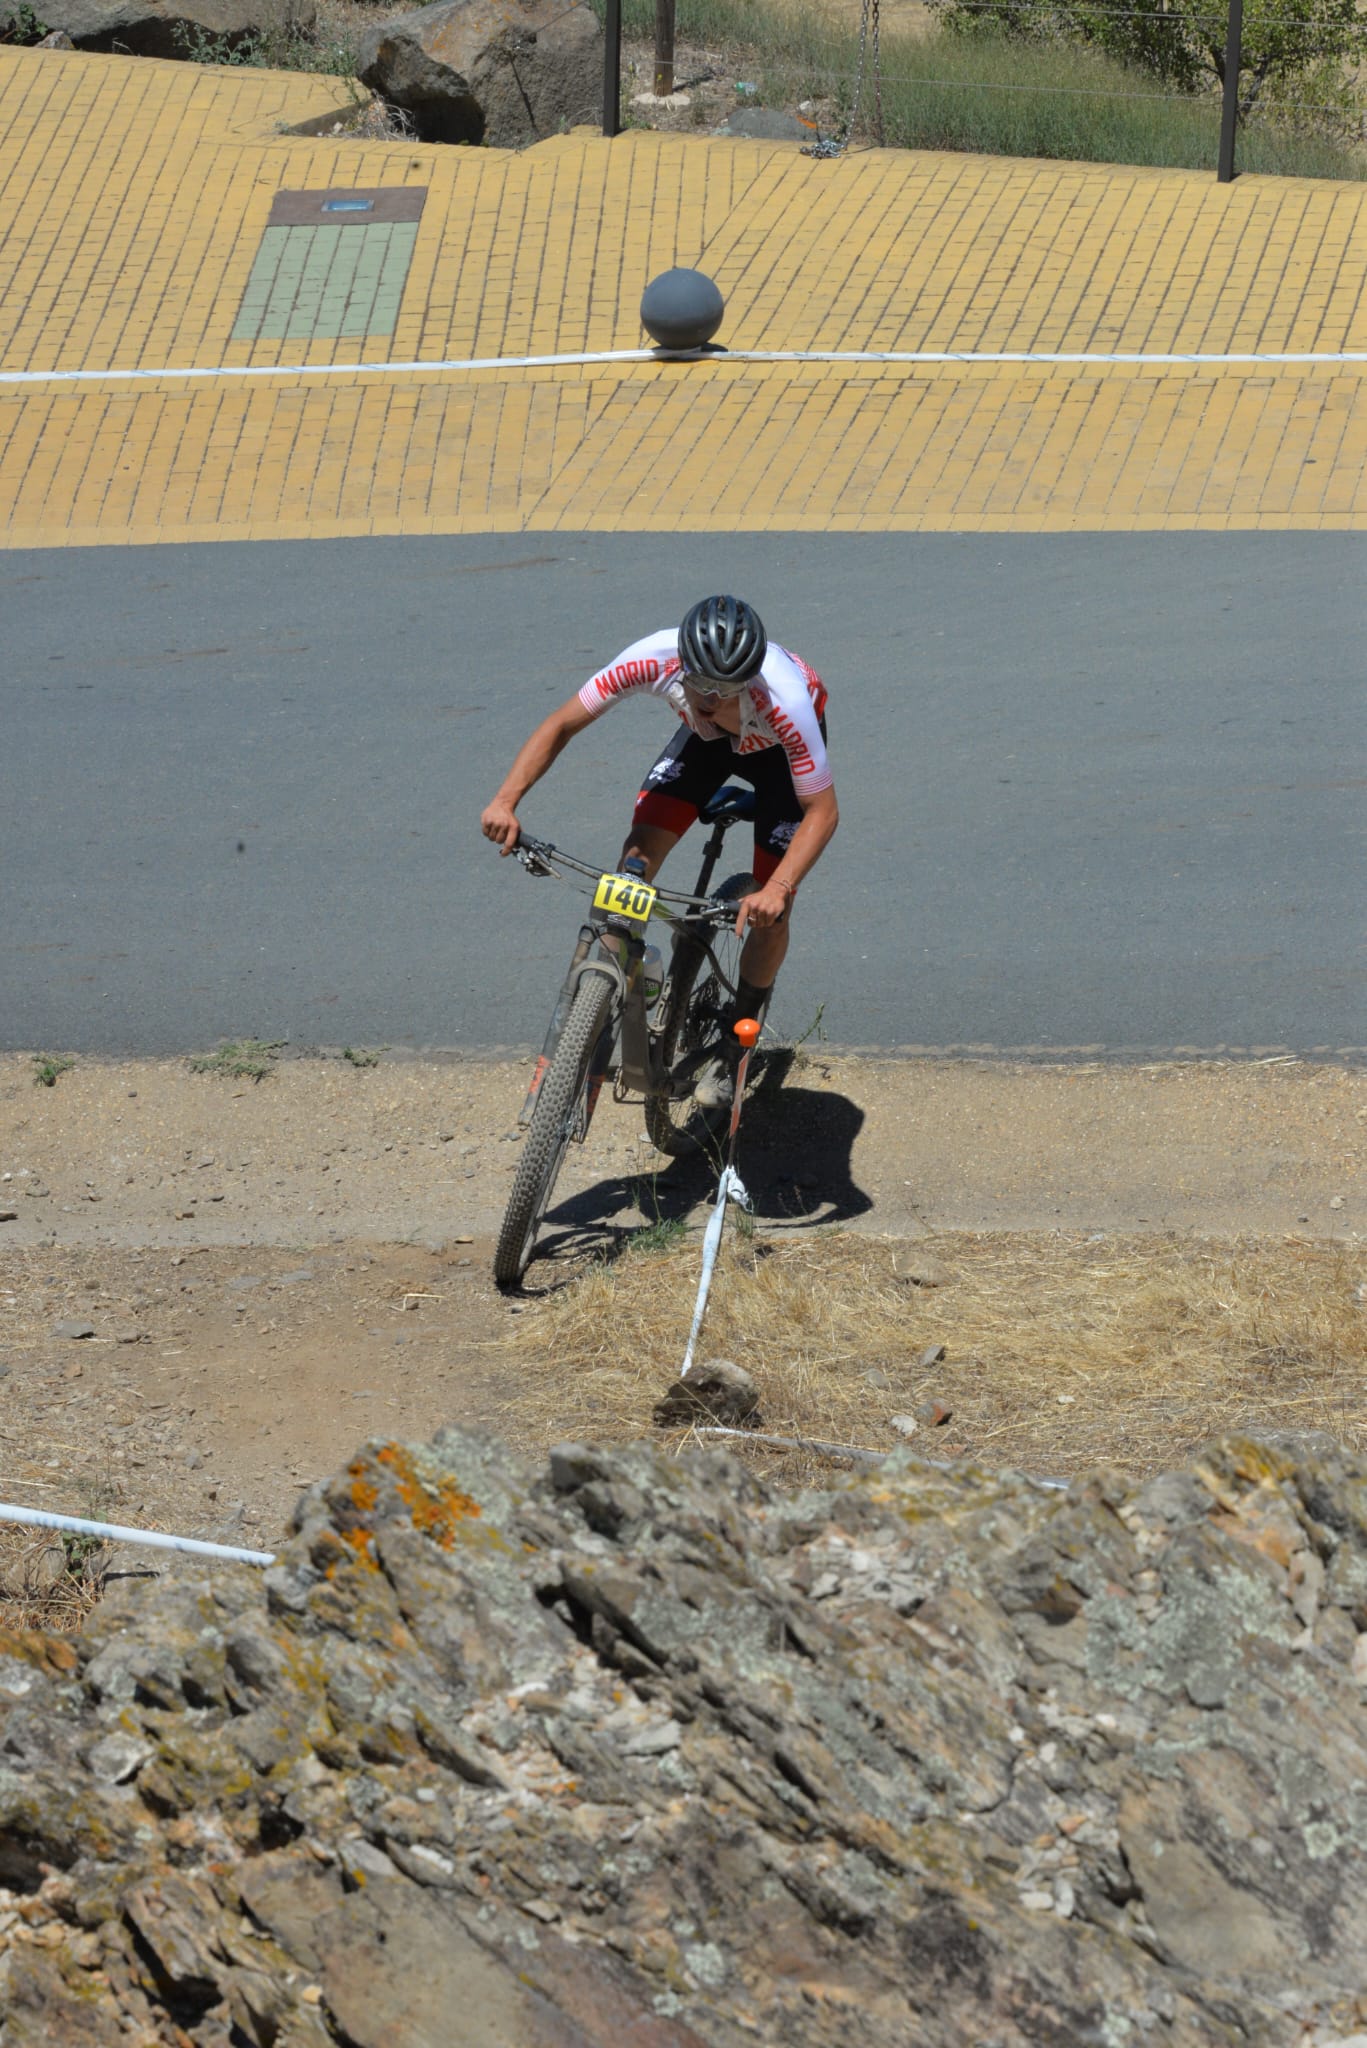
column 331, row 263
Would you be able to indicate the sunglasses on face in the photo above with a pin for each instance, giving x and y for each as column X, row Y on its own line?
column 706, row 690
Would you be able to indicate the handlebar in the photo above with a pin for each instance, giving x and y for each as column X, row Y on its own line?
column 539, row 857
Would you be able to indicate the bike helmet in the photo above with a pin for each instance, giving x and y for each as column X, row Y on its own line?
column 722, row 642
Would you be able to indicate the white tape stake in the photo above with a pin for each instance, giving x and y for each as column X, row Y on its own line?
column 153, row 1538
column 731, row 1184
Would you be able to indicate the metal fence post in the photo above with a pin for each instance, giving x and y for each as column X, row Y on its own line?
column 664, row 48
column 612, row 69
column 1229, row 112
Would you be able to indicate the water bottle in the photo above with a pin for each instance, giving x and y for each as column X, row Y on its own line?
column 652, row 975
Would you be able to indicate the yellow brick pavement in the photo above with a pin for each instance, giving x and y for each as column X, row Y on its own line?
column 135, row 195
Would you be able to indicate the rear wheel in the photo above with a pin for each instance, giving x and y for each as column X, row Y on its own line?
column 696, row 1031
column 561, row 1115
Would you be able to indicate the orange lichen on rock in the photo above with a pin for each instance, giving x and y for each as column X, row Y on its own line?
column 362, row 1543
column 436, row 1508
column 52, row 1654
column 364, row 1492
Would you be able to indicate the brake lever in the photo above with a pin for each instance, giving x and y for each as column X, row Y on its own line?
column 534, row 855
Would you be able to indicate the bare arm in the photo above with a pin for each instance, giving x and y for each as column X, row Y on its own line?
column 499, row 820
column 766, row 906
column 820, row 817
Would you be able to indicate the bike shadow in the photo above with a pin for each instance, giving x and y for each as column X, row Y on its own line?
column 794, row 1152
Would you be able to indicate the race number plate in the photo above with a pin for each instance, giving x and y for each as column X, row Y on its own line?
column 625, row 896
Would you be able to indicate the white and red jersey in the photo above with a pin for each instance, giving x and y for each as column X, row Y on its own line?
column 781, row 708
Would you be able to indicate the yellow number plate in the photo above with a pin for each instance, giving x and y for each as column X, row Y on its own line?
column 625, row 896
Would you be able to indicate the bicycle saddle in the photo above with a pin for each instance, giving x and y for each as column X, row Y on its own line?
column 731, row 801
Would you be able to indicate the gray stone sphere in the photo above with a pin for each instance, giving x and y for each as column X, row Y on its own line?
column 681, row 309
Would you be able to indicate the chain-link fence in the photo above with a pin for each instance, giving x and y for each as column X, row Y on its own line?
column 1099, row 80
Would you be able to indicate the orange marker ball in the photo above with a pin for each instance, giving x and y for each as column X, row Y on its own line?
column 746, row 1029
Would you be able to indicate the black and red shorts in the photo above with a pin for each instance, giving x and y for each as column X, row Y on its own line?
column 691, row 770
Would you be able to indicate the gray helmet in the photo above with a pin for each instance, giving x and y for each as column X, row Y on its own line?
column 723, row 642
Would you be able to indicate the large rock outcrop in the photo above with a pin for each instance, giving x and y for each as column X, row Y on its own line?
column 640, row 1752
column 173, row 28
column 505, row 72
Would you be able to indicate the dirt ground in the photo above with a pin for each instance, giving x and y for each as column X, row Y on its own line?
column 271, row 1272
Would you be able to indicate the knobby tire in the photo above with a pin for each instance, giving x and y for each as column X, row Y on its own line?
column 681, row 1127
column 559, row 1101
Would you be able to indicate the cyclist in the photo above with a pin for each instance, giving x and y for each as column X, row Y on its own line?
column 748, row 707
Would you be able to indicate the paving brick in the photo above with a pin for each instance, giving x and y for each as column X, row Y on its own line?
column 138, row 197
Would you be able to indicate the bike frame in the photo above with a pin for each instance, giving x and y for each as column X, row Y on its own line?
column 610, row 945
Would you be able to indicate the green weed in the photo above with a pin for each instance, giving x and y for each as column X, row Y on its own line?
column 240, row 1059
column 48, row 1065
column 659, row 1236
column 22, row 28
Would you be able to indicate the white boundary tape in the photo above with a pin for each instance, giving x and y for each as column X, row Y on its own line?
column 153, row 1538
column 910, row 358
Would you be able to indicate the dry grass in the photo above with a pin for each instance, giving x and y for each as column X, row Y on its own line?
column 1061, row 1352
column 45, row 1583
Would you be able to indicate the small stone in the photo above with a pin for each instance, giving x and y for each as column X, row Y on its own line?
column 935, row 1414
column 1038, row 1902
column 73, row 1371
column 874, row 1378
column 934, row 1354
column 1336, row 1201
column 74, row 1329
column 540, row 1909
column 9, row 1215
column 130, row 1336
column 905, row 1425
column 764, row 124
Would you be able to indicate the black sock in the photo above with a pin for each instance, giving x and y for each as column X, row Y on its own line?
column 749, row 999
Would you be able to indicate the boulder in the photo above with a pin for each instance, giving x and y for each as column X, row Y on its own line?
column 765, row 124
column 172, row 28
column 505, row 72
column 639, row 1749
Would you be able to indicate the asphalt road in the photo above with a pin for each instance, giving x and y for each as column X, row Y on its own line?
column 1096, row 791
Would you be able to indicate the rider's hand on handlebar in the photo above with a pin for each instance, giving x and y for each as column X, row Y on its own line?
column 498, row 822
column 764, row 907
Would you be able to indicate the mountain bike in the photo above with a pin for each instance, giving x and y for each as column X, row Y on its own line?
column 666, row 1038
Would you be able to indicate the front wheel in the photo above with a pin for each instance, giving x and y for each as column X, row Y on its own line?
column 695, row 1032
column 562, row 1113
